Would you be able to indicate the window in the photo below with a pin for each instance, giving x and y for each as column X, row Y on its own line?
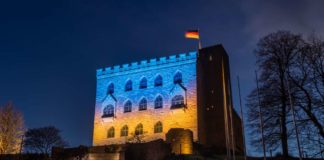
column 129, row 85
column 177, row 101
column 158, row 128
column 108, row 111
column 111, row 132
column 158, row 81
column 143, row 83
column 177, row 78
column 142, row 104
column 111, row 88
column 124, row 131
column 158, row 103
column 128, row 106
column 139, row 129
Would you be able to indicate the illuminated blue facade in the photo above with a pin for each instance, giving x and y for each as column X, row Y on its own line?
column 159, row 91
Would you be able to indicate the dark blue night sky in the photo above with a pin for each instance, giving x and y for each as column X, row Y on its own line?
column 50, row 49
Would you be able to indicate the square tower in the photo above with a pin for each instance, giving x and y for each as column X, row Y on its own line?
column 219, row 126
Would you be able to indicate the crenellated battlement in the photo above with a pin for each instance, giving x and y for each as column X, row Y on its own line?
column 147, row 63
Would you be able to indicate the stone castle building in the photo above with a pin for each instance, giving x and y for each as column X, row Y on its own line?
column 145, row 100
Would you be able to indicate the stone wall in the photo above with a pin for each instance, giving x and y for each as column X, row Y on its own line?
column 181, row 141
column 105, row 156
column 154, row 150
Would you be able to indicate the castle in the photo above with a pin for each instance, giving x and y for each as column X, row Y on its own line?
column 146, row 99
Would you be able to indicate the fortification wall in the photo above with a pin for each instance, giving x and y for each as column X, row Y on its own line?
column 144, row 65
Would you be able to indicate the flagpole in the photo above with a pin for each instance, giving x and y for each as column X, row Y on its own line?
column 194, row 34
column 243, row 132
column 199, row 41
column 260, row 116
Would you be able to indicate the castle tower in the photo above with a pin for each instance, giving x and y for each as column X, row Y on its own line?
column 215, row 126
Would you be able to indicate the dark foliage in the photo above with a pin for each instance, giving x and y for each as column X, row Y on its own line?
column 41, row 140
column 59, row 153
column 24, row 157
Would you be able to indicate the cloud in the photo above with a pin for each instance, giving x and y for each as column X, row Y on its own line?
column 299, row 16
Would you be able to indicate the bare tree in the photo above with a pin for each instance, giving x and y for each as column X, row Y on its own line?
column 42, row 140
column 275, row 53
column 11, row 129
column 287, row 61
column 309, row 98
column 136, row 138
column 307, row 75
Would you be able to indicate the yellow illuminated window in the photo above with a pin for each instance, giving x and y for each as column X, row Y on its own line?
column 124, row 131
column 158, row 128
column 139, row 129
column 111, row 132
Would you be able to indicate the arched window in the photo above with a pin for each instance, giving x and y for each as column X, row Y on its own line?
column 128, row 106
column 143, row 83
column 158, row 103
column 177, row 101
column 139, row 129
column 158, row 128
column 158, row 81
column 111, row 132
column 129, row 85
column 124, row 131
column 108, row 111
column 142, row 104
column 111, row 88
column 177, row 78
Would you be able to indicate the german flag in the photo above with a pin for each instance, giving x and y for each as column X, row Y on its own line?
column 192, row 34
